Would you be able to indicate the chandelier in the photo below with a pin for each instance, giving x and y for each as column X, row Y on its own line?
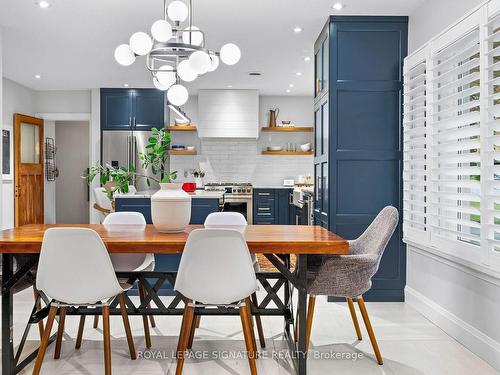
column 175, row 53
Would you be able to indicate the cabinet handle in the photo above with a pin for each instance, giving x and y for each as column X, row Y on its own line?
column 265, row 214
column 135, row 123
column 264, row 209
column 290, row 198
column 264, row 194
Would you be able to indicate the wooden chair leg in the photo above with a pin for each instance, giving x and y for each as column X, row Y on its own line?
column 198, row 321
column 45, row 340
column 107, row 340
column 36, row 295
column 354, row 318
column 371, row 334
column 258, row 322
column 147, row 334
column 246, row 320
column 60, row 332
column 309, row 321
column 152, row 319
column 96, row 321
column 191, row 334
column 187, row 321
column 126, row 324
column 79, row 336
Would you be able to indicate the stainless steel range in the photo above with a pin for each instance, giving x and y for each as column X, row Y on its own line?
column 237, row 197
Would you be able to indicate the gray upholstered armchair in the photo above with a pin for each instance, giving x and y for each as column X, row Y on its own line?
column 350, row 275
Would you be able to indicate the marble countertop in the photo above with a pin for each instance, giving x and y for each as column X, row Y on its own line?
column 195, row 194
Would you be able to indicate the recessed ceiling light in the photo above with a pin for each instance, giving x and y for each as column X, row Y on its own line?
column 43, row 4
column 298, row 74
column 38, row 76
column 291, row 85
column 288, row 90
column 297, row 29
column 125, row 85
column 338, row 6
column 307, row 59
column 254, row 74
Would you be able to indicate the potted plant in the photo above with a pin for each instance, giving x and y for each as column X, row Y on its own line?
column 170, row 206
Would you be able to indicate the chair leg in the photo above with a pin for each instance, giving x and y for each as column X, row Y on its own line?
column 96, row 321
column 258, row 322
column 152, row 319
column 309, row 321
column 126, row 324
column 191, row 334
column 246, row 320
column 79, row 336
column 147, row 334
column 107, row 340
column 296, row 326
column 45, row 340
column 60, row 332
column 36, row 295
column 371, row 334
column 187, row 321
column 354, row 318
column 197, row 321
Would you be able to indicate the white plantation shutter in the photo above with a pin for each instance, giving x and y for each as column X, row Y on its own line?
column 455, row 141
column 491, row 177
column 415, row 165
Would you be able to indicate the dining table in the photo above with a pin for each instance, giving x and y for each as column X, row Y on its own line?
column 278, row 243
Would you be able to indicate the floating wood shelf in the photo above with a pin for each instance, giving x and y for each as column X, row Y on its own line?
column 287, row 152
column 182, row 128
column 288, row 129
column 182, row 152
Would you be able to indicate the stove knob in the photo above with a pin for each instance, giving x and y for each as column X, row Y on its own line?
column 249, row 190
column 238, row 190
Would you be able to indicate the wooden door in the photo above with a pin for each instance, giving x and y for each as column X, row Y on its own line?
column 28, row 170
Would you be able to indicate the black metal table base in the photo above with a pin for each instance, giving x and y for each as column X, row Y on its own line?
column 277, row 301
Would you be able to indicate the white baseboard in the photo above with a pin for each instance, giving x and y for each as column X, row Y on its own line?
column 472, row 338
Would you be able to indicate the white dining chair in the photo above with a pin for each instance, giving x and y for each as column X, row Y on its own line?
column 205, row 277
column 130, row 263
column 236, row 219
column 102, row 203
column 75, row 270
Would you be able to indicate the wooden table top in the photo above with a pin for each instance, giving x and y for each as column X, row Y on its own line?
column 279, row 239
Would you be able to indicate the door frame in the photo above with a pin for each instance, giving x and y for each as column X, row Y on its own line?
column 18, row 120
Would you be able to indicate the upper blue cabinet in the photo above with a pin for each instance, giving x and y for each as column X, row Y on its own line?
column 132, row 109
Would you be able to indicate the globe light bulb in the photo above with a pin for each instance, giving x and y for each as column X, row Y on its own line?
column 177, row 11
column 159, row 85
column 166, row 75
column 230, row 54
column 200, row 62
column 196, row 36
column 177, row 95
column 185, row 72
column 141, row 43
column 161, row 31
column 214, row 63
column 124, row 55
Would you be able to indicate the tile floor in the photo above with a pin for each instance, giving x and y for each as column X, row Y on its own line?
column 410, row 344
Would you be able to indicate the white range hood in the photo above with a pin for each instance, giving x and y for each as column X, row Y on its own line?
column 228, row 114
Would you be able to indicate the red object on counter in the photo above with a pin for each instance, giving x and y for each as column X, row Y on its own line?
column 189, row 187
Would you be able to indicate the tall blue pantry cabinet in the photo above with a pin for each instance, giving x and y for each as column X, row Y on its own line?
column 358, row 134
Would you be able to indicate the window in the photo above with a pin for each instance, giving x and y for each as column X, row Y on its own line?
column 451, row 141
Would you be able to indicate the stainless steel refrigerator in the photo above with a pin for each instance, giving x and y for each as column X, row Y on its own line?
column 122, row 148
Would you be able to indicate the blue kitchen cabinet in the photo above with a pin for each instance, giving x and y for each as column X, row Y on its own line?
column 271, row 206
column 132, row 109
column 200, row 209
column 358, row 134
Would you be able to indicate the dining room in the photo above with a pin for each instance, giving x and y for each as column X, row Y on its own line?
column 235, row 187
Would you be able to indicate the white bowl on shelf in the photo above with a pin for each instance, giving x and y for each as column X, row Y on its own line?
column 275, row 148
column 305, row 147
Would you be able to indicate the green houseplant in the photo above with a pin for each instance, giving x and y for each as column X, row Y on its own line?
column 118, row 179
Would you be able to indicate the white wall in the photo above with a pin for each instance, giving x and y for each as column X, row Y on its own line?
column 240, row 160
column 16, row 99
column 462, row 301
column 63, row 101
column 433, row 16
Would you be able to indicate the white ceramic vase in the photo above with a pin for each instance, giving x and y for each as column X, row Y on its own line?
column 171, row 208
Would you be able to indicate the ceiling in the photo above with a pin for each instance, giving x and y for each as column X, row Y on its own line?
column 71, row 43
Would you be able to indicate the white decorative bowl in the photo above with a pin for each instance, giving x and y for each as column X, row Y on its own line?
column 305, row 147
